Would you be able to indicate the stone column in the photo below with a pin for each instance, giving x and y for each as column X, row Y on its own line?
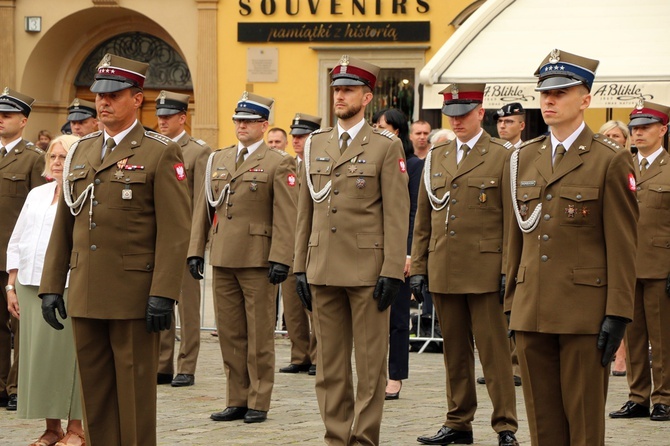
column 8, row 44
column 205, row 85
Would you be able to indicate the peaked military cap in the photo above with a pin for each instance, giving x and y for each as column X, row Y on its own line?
column 14, row 102
column 116, row 73
column 561, row 69
column 80, row 110
column 461, row 99
column 512, row 109
column 169, row 103
column 649, row 113
column 304, row 124
column 253, row 106
column 351, row 71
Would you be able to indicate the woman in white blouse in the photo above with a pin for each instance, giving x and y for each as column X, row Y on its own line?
column 48, row 376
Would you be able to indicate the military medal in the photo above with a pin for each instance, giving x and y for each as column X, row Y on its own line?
column 584, row 211
column 119, row 173
column 570, row 211
column 482, row 195
column 523, row 210
column 351, row 169
column 127, row 193
column 360, row 183
column 253, row 187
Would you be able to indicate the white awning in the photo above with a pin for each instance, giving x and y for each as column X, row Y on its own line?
column 504, row 41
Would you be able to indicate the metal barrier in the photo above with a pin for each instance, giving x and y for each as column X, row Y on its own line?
column 429, row 339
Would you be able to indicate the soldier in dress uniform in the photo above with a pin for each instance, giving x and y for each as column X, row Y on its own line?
column 122, row 230
column 298, row 319
column 457, row 253
column 649, row 124
column 171, row 109
column 352, row 219
column 21, row 166
column 570, row 258
column 253, row 190
column 82, row 117
column 511, row 122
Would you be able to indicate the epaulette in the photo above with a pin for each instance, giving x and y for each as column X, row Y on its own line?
column 279, row 151
column 502, row 142
column 234, row 146
column 442, row 144
column 531, row 141
column 604, row 140
column 91, row 135
column 34, row 148
column 321, row 130
column 199, row 142
column 384, row 132
column 158, row 137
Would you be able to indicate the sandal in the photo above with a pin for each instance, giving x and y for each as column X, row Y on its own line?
column 72, row 439
column 55, row 437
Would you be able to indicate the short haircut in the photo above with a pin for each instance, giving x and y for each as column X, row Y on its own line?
column 280, row 130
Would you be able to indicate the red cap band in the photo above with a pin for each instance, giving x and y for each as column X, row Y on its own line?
column 358, row 72
column 650, row 111
column 136, row 78
column 467, row 95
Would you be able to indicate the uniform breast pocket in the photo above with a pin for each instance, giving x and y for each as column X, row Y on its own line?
column 579, row 205
column 78, row 181
column 658, row 196
column 438, row 185
column 257, row 183
column 484, row 193
column 126, row 192
column 362, row 180
column 14, row 185
column 527, row 198
column 319, row 174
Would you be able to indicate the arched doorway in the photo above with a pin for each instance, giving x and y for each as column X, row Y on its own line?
column 167, row 70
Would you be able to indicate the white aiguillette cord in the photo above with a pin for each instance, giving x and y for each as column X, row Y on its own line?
column 76, row 205
column 529, row 224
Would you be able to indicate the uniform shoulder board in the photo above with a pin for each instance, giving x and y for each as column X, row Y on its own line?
column 34, row 148
column 158, row 137
column 606, row 141
column 531, row 141
column 199, row 142
column 91, row 135
column 234, row 146
column 279, row 151
column 384, row 132
column 322, row 130
column 502, row 142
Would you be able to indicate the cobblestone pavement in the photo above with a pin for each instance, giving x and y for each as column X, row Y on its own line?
column 183, row 413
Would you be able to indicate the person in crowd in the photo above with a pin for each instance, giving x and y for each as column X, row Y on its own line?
column 82, row 117
column 441, row 135
column 50, row 392
column 121, row 229
column 252, row 188
column 571, row 250
column 298, row 319
column 21, row 167
column 353, row 216
column 277, row 138
column 171, row 109
column 43, row 139
column 511, row 123
column 457, row 253
column 649, row 125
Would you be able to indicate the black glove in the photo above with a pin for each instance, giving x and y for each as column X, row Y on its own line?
column 610, row 336
column 418, row 284
column 503, row 282
column 196, row 266
column 159, row 313
column 302, row 288
column 667, row 285
column 386, row 291
column 51, row 303
column 510, row 333
column 278, row 273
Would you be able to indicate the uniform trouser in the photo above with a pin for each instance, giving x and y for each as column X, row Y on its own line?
column 462, row 317
column 399, row 335
column 118, row 361
column 9, row 325
column 189, row 320
column 565, row 387
column 298, row 321
column 345, row 318
column 651, row 324
column 244, row 303
column 516, row 370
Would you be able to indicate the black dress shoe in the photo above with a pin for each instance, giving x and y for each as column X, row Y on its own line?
column 660, row 412
column 295, row 368
column 164, row 378
column 517, row 381
column 631, row 410
column 447, row 435
column 481, row 380
column 183, row 380
column 255, row 416
column 507, row 438
column 312, row 370
column 11, row 402
column 230, row 414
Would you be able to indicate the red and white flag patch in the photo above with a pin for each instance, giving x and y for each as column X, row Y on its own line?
column 291, row 179
column 402, row 165
column 631, row 182
column 180, row 171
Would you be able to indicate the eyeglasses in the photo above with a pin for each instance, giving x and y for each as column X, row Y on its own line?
column 53, row 157
column 247, row 121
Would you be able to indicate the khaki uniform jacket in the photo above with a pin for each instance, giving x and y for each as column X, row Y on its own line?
column 256, row 224
column 20, row 171
column 359, row 232
column 132, row 248
column 462, row 252
column 578, row 264
column 653, row 228
column 195, row 154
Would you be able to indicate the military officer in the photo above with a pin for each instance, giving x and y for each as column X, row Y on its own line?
column 511, row 122
column 122, row 230
column 352, row 218
column 649, row 124
column 171, row 109
column 82, row 117
column 21, row 166
column 457, row 253
column 570, row 258
column 303, row 340
column 253, row 190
